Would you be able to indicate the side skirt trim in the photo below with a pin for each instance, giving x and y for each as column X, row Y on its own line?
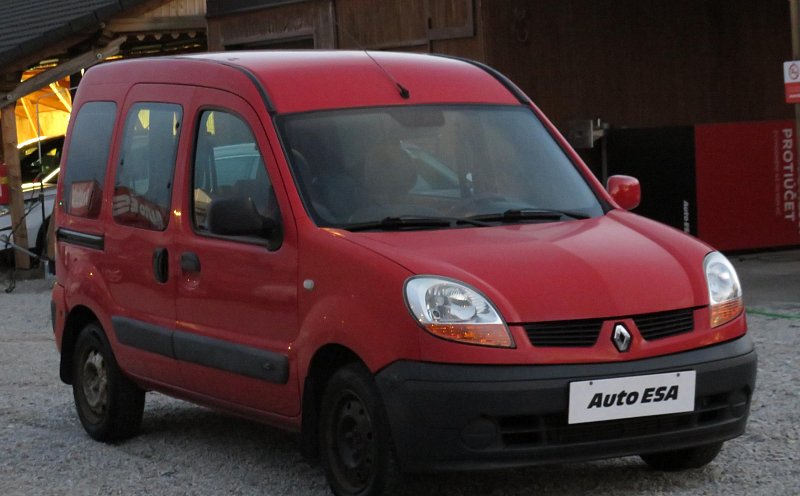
column 209, row 352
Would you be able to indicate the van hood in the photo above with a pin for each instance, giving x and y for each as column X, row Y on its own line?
column 615, row 265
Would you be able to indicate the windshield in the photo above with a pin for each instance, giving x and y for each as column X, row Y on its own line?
column 356, row 167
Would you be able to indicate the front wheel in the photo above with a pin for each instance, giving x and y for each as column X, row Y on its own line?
column 355, row 442
column 109, row 405
column 683, row 459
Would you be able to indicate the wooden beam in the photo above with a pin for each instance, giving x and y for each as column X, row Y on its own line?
column 8, row 129
column 143, row 7
column 33, row 123
column 59, row 93
column 157, row 24
column 71, row 66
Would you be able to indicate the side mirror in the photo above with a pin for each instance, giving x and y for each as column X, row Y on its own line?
column 238, row 216
column 625, row 190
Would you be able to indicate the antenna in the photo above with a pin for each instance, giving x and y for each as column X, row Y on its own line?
column 404, row 93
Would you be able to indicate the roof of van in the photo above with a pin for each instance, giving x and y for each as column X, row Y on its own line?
column 303, row 80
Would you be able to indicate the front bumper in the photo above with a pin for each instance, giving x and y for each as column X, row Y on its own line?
column 459, row 417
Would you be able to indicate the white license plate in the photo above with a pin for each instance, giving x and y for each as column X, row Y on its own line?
column 627, row 397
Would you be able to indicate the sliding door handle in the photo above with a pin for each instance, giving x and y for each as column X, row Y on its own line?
column 190, row 262
column 161, row 265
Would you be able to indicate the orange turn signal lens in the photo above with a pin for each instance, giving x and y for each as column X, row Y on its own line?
column 480, row 334
column 722, row 313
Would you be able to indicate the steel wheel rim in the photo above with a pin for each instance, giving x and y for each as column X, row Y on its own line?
column 94, row 383
column 353, row 446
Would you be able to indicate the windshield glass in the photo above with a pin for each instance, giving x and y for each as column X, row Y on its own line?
column 355, row 167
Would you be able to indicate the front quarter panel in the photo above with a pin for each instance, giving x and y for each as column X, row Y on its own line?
column 353, row 297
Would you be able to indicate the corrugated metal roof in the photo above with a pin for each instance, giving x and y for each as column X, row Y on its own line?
column 28, row 26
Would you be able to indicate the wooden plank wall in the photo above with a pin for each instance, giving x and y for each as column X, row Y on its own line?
column 381, row 24
column 449, row 14
column 440, row 26
column 276, row 24
column 642, row 63
column 177, row 8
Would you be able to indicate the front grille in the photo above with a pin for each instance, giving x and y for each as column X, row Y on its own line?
column 584, row 333
column 553, row 430
column 665, row 324
column 568, row 333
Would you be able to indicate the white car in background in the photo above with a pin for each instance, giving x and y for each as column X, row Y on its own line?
column 39, row 165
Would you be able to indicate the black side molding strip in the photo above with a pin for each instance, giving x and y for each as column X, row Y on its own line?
column 201, row 350
column 502, row 79
column 143, row 336
column 231, row 357
column 94, row 241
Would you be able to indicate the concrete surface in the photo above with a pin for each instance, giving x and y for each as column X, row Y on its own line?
column 184, row 449
column 771, row 280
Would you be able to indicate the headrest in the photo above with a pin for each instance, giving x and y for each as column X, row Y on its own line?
column 389, row 170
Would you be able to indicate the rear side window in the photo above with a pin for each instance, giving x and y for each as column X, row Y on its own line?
column 90, row 142
column 143, row 185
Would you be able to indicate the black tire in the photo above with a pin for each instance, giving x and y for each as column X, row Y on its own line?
column 355, row 440
column 39, row 248
column 41, row 236
column 109, row 405
column 684, row 459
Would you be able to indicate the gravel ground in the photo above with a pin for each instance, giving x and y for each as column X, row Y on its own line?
column 184, row 449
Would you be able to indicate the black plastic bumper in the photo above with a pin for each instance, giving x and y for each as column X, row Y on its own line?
column 454, row 417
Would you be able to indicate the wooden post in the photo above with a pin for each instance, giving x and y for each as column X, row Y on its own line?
column 18, row 225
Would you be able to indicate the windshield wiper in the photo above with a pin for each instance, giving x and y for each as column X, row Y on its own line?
column 412, row 222
column 523, row 214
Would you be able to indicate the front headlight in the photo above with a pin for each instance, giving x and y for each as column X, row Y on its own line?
column 724, row 290
column 452, row 310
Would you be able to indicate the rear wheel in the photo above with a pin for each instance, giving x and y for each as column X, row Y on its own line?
column 109, row 405
column 683, row 459
column 355, row 442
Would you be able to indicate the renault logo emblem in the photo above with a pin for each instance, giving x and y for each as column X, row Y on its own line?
column 621, row 337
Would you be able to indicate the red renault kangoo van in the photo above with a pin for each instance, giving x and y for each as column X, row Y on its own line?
column 396, row 255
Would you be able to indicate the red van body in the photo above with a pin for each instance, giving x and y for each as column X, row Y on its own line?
column 454, row 334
